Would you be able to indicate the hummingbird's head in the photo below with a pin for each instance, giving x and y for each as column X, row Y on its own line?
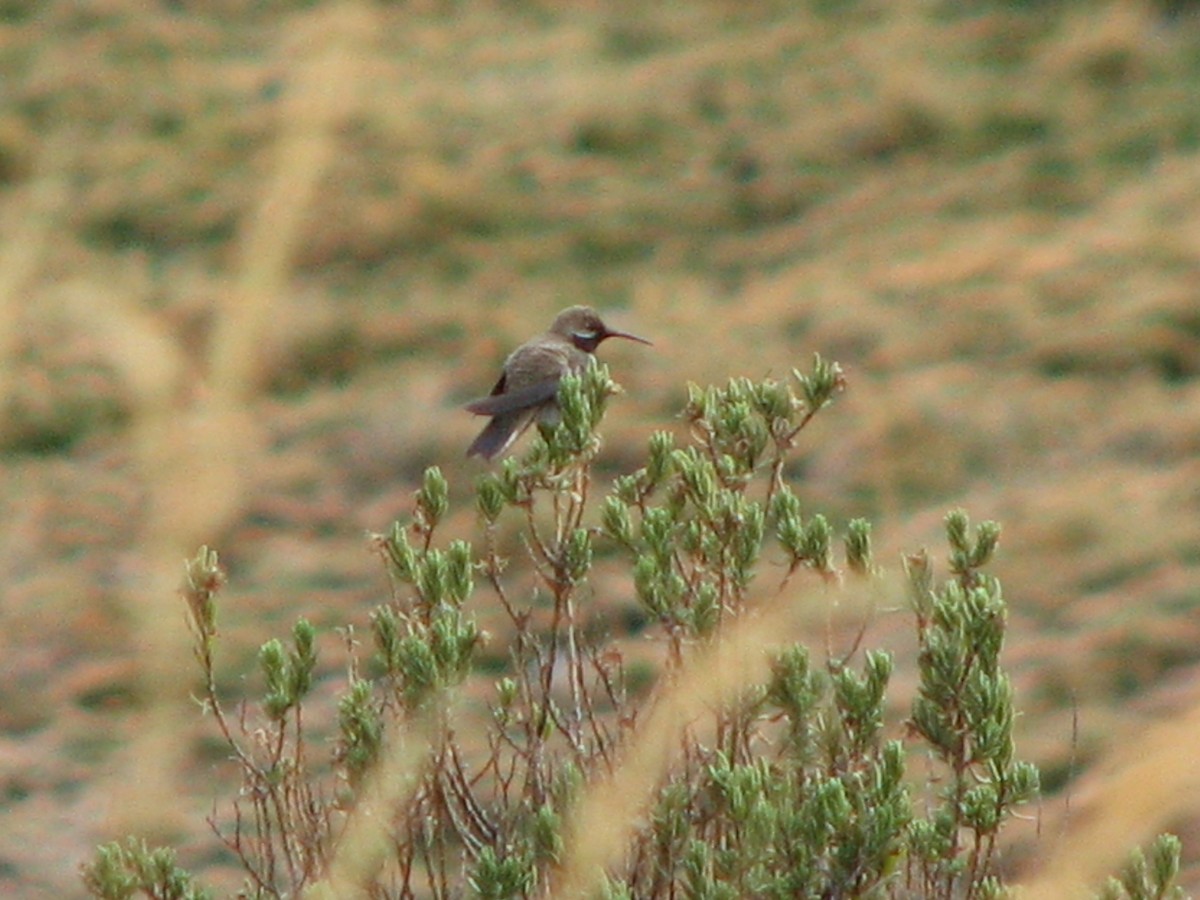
column 585, row 329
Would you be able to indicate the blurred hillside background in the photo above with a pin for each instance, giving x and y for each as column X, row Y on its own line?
column 255, row 256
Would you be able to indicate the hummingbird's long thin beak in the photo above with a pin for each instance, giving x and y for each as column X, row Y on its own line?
column 608, row 333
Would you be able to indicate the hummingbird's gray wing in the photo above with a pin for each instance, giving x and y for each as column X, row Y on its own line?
column 512, row 412
column 511, row 401
column 527, row 389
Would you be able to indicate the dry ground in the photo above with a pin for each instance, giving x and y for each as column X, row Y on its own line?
column 253, row 257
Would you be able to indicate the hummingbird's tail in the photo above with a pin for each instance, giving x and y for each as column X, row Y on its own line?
column 500, row 433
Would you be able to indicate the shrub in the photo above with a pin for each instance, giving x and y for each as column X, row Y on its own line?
column 755, row 766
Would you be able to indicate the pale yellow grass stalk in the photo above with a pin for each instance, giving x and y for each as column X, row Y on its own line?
column 33, row 217
column 365, row 840
column 1150, row 785
column 194, row 443
column 601, row 825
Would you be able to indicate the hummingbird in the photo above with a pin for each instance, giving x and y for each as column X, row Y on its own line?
column 528, row 387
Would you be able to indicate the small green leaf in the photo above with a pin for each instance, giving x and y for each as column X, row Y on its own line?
column 433, row 498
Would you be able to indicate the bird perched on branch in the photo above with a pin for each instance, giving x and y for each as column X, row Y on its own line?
column 528, row 388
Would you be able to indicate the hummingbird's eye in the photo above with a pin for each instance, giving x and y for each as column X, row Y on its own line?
column 585, row 336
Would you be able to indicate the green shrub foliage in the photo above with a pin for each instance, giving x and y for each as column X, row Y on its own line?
column 798, row 788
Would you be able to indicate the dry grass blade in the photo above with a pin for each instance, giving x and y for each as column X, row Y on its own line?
column 604, row 820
